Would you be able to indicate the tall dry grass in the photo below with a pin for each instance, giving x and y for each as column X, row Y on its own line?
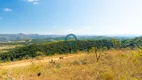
column 112, row 65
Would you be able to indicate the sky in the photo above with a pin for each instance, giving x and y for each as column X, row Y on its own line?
column 82, row 17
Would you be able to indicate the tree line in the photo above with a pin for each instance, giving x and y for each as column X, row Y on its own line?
column 62, row 47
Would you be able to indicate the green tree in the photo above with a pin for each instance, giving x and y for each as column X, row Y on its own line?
column 116, row 43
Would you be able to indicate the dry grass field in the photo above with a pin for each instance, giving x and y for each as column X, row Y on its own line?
column 112, row 65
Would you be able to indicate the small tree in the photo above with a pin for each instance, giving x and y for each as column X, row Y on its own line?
column 94, row 50
column 116, row 43
column 38, row 53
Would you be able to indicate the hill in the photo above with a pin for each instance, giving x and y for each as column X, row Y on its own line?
column 43, row 38
column 113, row 65
column 63, row 47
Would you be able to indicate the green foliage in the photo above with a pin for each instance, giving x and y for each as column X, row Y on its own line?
column 132, row 43
column 62, row 47
column 139, row 54
column 38, row 53
column 116, row 43
column 140, row 51
column 93, row 49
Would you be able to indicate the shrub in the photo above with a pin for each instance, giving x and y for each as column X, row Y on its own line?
column 38, row 53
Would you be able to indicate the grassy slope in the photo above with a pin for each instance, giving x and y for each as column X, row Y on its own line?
column 6, row 48
column 113, row 65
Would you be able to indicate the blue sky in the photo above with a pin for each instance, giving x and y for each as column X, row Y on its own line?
column 85, row 17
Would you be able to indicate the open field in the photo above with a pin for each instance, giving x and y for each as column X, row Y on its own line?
column 5, row 48
column 70, row 40
column 112, row 65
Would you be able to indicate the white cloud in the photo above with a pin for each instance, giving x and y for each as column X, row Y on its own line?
column 34, row 2
column 83, row 30
column 7, row 9
column 30, row 0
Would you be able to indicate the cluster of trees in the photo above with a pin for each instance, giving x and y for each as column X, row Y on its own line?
column 62, row 47
column 132, row 43
column 52, row 48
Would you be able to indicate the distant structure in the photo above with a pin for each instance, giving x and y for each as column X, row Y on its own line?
column 70, row 35
column 72, row 43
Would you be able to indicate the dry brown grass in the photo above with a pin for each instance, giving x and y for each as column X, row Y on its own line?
column 113, row 65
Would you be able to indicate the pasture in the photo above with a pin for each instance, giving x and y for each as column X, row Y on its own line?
column 124, row 64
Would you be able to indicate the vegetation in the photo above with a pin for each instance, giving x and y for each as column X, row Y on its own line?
column 121, row 64
column 52, row 48
column 111, row 59
column 62, row 47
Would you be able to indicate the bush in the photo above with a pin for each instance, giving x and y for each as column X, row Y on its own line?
column 60, row 47
column 38, row 53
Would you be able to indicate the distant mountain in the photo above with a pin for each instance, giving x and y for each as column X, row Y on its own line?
column 37, row 37
column 11, row 37
column 21, row 36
